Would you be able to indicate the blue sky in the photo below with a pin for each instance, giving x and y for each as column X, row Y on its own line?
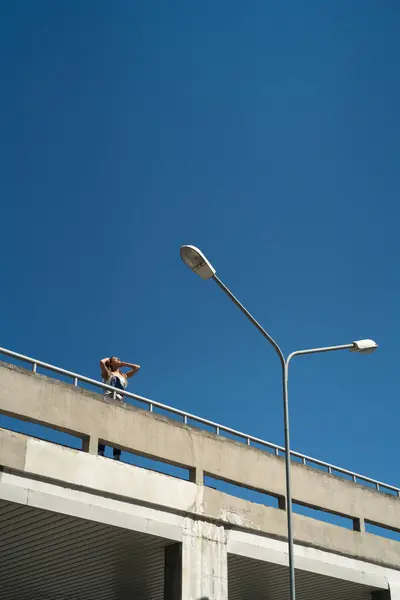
column 267, row 134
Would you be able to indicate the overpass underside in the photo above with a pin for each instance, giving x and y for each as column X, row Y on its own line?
column 45, row 555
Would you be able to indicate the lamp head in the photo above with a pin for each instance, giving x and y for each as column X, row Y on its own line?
column 197, row 262
column 364, row 346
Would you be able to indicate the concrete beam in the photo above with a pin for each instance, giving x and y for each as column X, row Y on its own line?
column 312, row 560
column 93, row 507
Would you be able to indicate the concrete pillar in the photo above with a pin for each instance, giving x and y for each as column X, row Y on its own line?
column 394, row 590
column 393, row 593
column 281, row 502
column 359, row 525
column 90, row 444
column 196, row 475
column 173, row 572
column 204, row 561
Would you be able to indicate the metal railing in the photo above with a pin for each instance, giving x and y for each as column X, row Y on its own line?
column 217, row 427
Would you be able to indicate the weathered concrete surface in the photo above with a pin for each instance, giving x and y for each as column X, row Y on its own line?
column 83, row 471
column 125, row 514
column 44, row 400
column 204, row 552
column 394, row 589
column 52, row 497
column 307, row 531
column 93, row 507
column 313, row 560
column 12, row 449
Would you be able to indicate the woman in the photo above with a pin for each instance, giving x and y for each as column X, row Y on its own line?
column 111, row 374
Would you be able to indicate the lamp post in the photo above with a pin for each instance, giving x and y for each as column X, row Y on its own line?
column 200, row 265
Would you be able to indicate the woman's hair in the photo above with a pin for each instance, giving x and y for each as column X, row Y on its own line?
column 109, row 361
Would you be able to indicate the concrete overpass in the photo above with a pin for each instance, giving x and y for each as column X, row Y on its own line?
column 74, row 525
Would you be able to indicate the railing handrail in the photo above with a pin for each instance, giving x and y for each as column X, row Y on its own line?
column 356, row 477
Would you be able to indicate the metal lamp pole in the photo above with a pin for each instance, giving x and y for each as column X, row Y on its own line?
column 198, row 263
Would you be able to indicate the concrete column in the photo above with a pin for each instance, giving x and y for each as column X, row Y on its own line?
column 281, row 502
column 196, row 475
column 90, row 444
column 393, row 593
column 204, row 561
column 394, row 590
column 359, row 525
column 173, row 572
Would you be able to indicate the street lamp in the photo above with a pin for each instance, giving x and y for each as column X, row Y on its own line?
column 199, row 264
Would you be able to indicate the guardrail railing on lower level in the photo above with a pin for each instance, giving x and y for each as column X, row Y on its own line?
column 217, row 427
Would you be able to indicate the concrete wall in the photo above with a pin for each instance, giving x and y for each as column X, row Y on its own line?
column 66, row 408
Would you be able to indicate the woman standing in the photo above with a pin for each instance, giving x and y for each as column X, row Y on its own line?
column 111, row 374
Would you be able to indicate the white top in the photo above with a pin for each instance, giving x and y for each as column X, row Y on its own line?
column 117, row 380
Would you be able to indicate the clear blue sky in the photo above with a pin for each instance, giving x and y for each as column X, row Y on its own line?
column 267, row 134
